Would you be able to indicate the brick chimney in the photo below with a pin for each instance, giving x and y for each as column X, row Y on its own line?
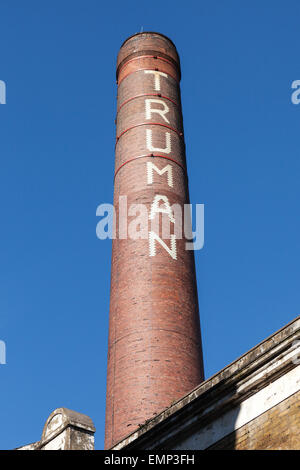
column 154, row 350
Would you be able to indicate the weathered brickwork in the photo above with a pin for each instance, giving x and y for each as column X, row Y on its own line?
column 276, row 429
column 154, row 351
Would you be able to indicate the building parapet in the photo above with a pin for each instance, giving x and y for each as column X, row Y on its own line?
column 248, row 387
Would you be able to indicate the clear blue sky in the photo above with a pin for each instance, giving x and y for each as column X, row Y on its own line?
column 57, row 157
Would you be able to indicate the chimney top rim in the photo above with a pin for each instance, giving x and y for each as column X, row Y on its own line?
column 149, row 32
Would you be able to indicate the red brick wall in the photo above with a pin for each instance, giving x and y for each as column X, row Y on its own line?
column 154, row 352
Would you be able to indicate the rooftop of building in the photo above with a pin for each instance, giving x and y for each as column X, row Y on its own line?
column 260, row 366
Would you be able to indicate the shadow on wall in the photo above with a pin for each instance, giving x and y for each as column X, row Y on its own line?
column 218, row 433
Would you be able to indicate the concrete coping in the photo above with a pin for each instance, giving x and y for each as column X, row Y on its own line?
column 61, row 418
column 58, row 421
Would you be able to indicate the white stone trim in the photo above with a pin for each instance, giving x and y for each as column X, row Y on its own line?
column 265, row 399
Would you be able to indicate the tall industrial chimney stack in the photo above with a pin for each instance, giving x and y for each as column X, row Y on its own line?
column 154, row 350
